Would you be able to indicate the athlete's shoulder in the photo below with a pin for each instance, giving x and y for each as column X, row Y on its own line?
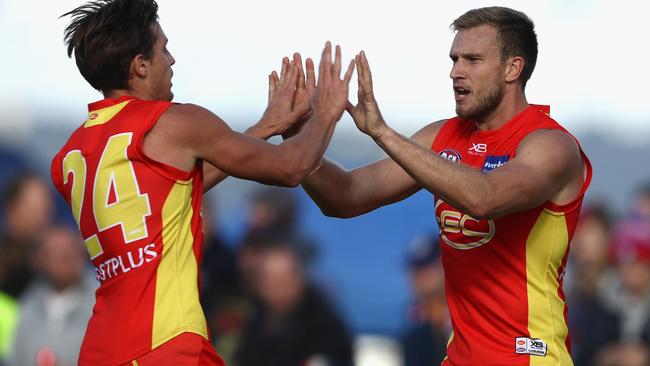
column 554, row 144
column 428, row 133
column 189, row 113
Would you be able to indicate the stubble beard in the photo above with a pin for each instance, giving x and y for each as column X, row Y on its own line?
column 485, row 105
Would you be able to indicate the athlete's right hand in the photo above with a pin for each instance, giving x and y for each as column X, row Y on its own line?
column 282, row 113
column 330, row 95
column 304, row 91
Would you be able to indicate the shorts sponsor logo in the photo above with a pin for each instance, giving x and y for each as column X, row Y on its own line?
column 462, row 231
column 451, row 154
column 530, row 346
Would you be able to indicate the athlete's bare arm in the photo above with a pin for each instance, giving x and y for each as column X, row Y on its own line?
column 342, row 193
column 547, row 166
column 188, row 132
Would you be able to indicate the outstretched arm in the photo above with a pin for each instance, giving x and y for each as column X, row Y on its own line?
column 342, row 193
column 191, row 132
column 547, row 165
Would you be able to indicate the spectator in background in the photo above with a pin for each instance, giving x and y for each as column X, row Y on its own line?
column 55, row 308
column 274, row 211
column 641, row 203
column 29, row 211
column 8, row 320
column 629, row 293
column 624, row 354
column 592, row 324
column 272, row 207
column 429, row 326
column 12, row 164
column 222, row 295
column 293, row 324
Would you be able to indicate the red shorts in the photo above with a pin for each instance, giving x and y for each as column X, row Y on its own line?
column 187, row 349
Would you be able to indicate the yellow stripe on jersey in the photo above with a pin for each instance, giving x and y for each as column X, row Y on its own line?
column 451, row 338
column 101, row 116
column 177, row 308
column 545, row 247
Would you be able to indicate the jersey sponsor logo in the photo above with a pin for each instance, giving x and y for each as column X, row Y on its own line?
column 462, row 231
column 93, row 116
column 451, row 154
column 478, row 149
column 530, row 346
column 494, row 161
column 133, row 259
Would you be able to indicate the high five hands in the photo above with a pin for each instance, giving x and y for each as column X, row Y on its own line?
column 294, row 97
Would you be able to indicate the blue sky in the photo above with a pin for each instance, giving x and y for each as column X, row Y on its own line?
column 592, row 66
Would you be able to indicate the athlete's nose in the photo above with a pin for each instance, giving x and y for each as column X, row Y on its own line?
column 457, row 70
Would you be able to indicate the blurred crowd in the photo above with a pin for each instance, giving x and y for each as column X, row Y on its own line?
column 264, row 305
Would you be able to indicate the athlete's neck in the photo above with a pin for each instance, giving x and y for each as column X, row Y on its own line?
column 511, row 105
column 117, row 93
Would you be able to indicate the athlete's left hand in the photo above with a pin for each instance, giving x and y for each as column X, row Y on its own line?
column 366, row 114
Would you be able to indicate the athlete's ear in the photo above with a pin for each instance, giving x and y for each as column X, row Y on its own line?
column 139, row 66
column 514, row 68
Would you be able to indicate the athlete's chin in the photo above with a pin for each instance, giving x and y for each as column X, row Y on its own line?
column 462, row 110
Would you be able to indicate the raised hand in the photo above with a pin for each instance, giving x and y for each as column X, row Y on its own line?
column 304, row 91
column 330, row 95
column 282, row 112
column 366, row 114
column 304, row 88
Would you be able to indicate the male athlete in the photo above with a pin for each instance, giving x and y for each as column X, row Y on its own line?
column 134, row 173
column 508, row 183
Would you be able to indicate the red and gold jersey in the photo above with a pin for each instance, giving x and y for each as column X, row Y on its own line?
column 503, row 277
column 141, row 223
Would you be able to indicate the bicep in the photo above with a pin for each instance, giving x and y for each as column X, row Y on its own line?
column 545, row 163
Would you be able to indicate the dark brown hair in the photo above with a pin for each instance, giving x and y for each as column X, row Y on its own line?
column 516, row 33
column 105, row 35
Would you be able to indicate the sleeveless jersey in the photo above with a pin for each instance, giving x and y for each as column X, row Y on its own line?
column 140, row 220
column 503, row 276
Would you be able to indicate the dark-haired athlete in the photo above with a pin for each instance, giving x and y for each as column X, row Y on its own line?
column 134, row 173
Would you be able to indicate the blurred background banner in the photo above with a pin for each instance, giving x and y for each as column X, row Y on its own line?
column 364, row 274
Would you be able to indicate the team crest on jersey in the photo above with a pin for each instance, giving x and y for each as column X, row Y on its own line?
column 462, row 231
column 494, row 161
column 451, row 154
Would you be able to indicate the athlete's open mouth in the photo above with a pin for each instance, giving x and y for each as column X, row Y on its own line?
column 460, row 92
